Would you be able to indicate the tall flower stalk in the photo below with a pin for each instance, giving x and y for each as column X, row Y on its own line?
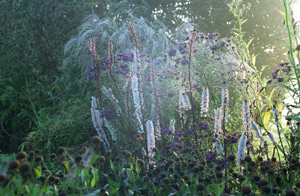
column 205, row 102
column 247, row 125
column 98, row 123
column 191, row 47
column 150, row 141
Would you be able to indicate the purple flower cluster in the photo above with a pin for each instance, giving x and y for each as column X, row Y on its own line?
column 127, row 57
column 211, row 36
column 269, row 81
column 184, row 61
column 223, row 162
column 109, row 114
column 234, row 138
column 171, row 94
column 210, row 157
column 176, row 144
column 201, row 125
column 181, row 47
column 180, row 133
column 223, row 43
column 214, row 47
column 172, row 52
column 275, row 73
column 190, row 131
column 166, row 131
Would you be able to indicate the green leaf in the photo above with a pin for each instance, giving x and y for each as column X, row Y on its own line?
column 93, row 182
column 288, row 88
column 37, row 172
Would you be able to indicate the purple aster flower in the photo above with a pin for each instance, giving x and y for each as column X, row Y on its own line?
column 172, row 52
column 123, row 66
column 142, row 55
column 233, row 47
column 218, row 58
column 181, row 47
column 171, row 94
column 211, row 36
column 165, row 59
column 91, row 76
column 179, row 133
column 190, row 131
column 275, row 73
column 109, row 114
column 176, row 144
column 184, row 61
column 166, row 131
column 204, row 126
column 177, row 60
column 234, row 137
column 214, row 47
column 223, row 43
column 186, row 150
column 280, row 79
column 210, row 157
column 148, row 60
column 281, row 64
column 91, row 69
column 223, row 162
column 106, row 67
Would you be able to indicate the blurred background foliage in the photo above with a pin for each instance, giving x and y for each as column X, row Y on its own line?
column 48, row 102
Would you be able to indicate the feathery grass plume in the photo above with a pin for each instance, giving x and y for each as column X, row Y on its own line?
column 219, row 147
column 153, row 37
column 224, row 101
column 247, row 123
column 241, row 149
column 256, row 129
column 108, row 93
column 172, row 126
column 205, row 102
column 150, row 140
column 98, row 123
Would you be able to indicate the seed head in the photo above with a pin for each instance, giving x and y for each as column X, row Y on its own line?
column 263, row 182
column 248, row 158
column 61, row 151
column 52, row 156
column 101, row 159
column 78, row 158
column 96, row 140
column 267, row 189
column 246, row 189
column 37, row 151
column 166, row 180
column 290, row 192
column 84, row 149
column 231, row 157
column 39, row 159
column 21, row 155
column 13, row 164
column 2, row 178
column 31, row 153
column 24, row 167
column 200, row 187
